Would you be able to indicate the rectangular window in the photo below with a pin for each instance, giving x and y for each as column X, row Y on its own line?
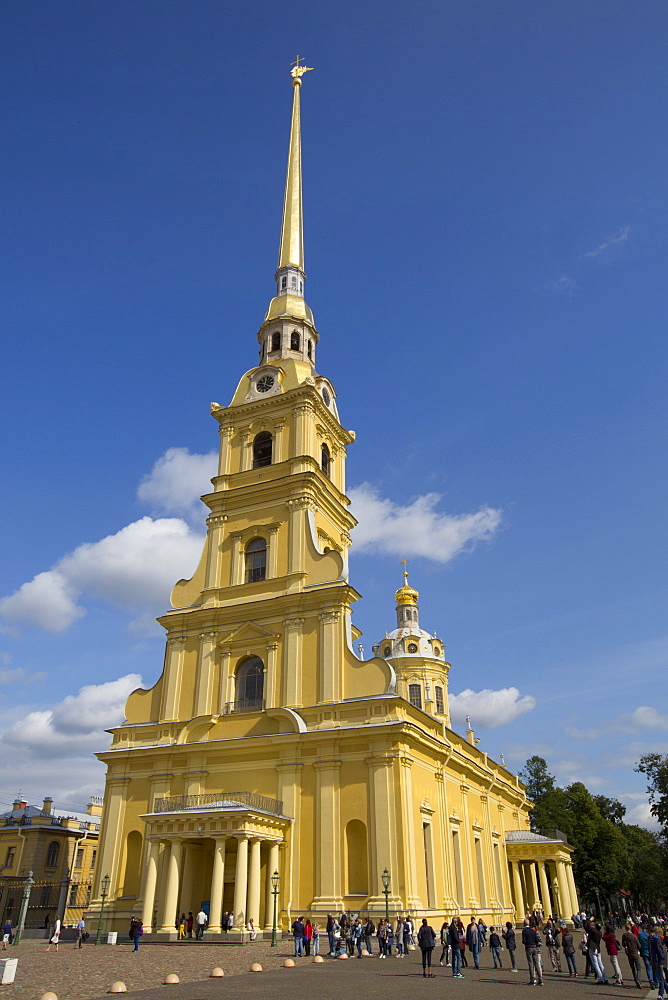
column 45, row 896
column 480, row 872
column 93, row 858
column 415, row 695
column 78, row 861
column 459, row 874
column 440, row 704
column 9, row 860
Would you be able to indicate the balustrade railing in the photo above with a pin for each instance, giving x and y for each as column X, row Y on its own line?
column 218, row 800
column 244, row 705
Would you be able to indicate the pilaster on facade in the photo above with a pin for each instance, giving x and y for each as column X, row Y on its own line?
column 329, row 656
column 205, row 674
column 172, row 678
column 292, row 661
column 326, row 835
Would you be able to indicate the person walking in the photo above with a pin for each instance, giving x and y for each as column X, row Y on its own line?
column 511, row 944
column 202, row 920
column 594, row 949
column 330, row 933
column 81, row 932
column 532, row 942
column 643, row 941
column 189, row 923
column 453, row 932
column 55, row 937
column 6, row 934
column 298, row 935
column 445, row 943
column 553, row 942
column 182, row 927
column 569, row 953
column 315, row 939
column 136, row 931
column 473, row 941
column 426, row 942
column 308, row 937
column 612, row 949
column 495, row 947
column 399, row 937
column 657, row 954
column 632, row 949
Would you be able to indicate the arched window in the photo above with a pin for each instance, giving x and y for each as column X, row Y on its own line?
column 250, row 685
column 276, row 341
column 52, row 854
column 440, row 704
column 415, row 695
column 325, row 461
column 256, row 560
column 295, row 341
column 309, row 349
column 262, row 449
column 284, row 282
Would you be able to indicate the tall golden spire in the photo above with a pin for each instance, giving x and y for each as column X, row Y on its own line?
column 290, row 276
column 291, row 252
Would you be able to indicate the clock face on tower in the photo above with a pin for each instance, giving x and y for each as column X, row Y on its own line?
column 265, row 383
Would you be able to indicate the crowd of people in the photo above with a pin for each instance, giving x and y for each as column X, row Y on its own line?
column 642, row 941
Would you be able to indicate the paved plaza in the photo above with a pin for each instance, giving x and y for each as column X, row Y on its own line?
column 85, row 974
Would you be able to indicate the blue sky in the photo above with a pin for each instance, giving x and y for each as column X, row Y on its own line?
column 485, row 201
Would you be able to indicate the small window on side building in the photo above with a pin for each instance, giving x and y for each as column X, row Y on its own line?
column 415, row 695
column 440, row 705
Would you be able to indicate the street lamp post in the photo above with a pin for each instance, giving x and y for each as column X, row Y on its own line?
column 385, row 877
column 104, row 892
column 275, row 882
column 27, row 886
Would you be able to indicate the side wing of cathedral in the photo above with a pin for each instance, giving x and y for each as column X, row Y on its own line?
column 269, row 746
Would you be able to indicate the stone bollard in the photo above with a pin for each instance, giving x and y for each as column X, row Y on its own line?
column 288, row 964
column 256, row 967
column 343, row 955
column 216, row 973
column 118, row 987
column 48, row 996
column 171, row 979
column 318, row 959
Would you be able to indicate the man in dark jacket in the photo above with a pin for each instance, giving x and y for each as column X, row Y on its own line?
column 369, row 931
column 594, row 945
column 453, row 931
column 632, row 949
column 298, row 935
column 532, row 941
column 657, row 954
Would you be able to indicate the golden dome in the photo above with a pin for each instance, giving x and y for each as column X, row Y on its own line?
column 406, row 594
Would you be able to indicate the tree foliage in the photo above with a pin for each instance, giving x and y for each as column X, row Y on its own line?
column 655, row 767
column 609, row 854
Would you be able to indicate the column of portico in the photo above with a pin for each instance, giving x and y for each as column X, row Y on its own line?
column 241, row 883
column 217, row 885
column 564, row 890
column 188, row 865
column 254, row 876
column 544, row 888
column 170, row 901
column 574, row 893
column 534, row 884
column 150, row 882
column 272, row 866
column 520, row 908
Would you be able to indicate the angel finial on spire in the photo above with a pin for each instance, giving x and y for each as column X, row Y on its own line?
column 298, row 70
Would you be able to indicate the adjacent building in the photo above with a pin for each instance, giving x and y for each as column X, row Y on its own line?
column 270, row 753
column 59, row 850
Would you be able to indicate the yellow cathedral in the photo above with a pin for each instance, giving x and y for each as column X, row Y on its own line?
column 268, row 745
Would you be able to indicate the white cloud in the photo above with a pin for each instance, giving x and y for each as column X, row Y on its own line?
column 134, row 569
column 75, row 725
column 610, row 242
column 177, row 480
column 563, row 285
column 489, row 708
column 19, row 675
column 416, row 529
column 642, row 720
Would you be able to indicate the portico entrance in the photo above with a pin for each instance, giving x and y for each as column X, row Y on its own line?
column 216, row 852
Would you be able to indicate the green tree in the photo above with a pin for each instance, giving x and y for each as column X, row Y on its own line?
column 611, row 809
column 648, row 871
column 655, row 767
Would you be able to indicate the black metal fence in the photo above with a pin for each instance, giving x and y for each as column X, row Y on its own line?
column 46, row 900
